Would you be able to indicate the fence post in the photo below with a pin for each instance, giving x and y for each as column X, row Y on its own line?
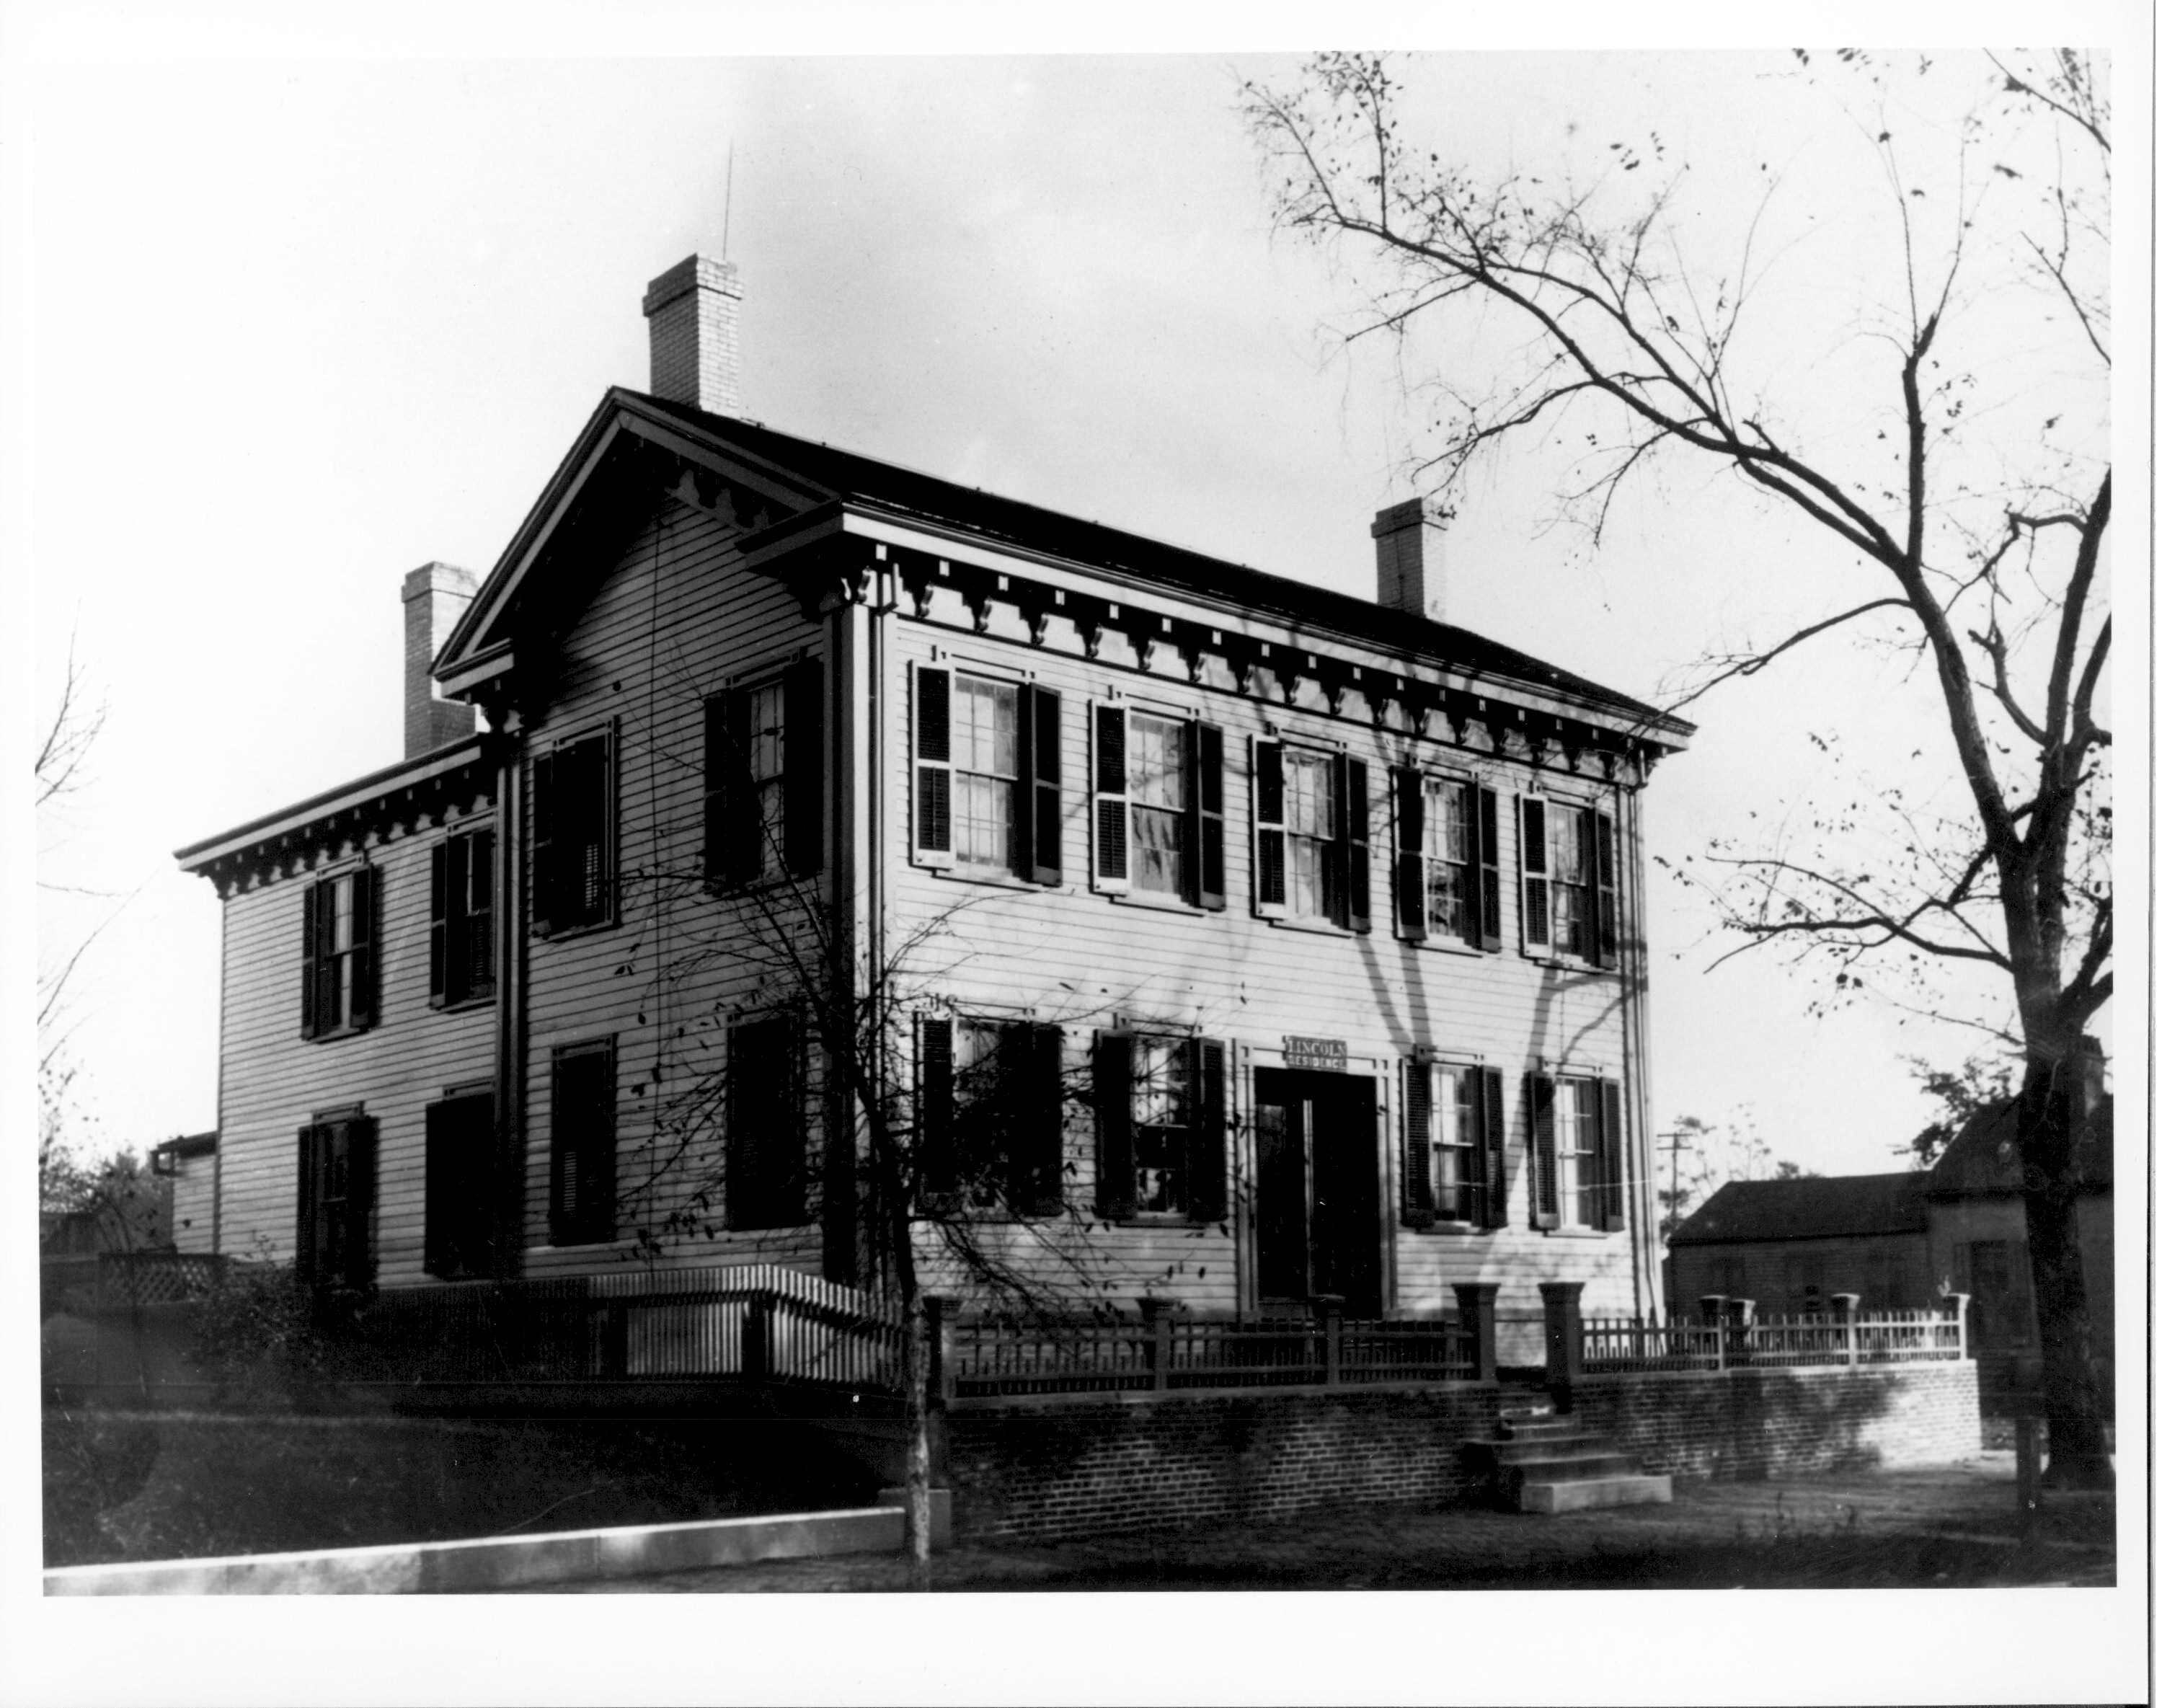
column 1740, row 1318
column 1847, row 1307
column 1155, row 1324
column 1475, row 1310
column 1711, row 1308
column 1958, row 1302
column 758, row 1338
column 1564, row 1310
column 1330, row 1308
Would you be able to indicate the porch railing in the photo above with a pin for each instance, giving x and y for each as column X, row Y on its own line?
column 1731, row 1340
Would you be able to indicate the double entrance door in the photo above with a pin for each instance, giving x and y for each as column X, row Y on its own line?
column 1316, row 1189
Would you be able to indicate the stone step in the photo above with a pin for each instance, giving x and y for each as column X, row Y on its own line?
column 1548, row 1447
column 1569, row 1467
column 1540, row 1429
column 1579, row 1494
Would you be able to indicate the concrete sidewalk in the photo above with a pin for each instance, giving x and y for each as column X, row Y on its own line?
column 1943, row 1527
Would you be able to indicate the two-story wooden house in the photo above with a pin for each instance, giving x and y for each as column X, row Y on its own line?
column 1318, row 921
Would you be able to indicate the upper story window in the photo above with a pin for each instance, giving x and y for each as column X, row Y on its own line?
column 1311, row 814
column 1448, row 860
column 1578, row 1150
column 1159, row 817
column 1454, row 1132
column 574, row 834
column 337, row 954
column 462, row 918
column 1569, row 901
column 990, row 1113
column 1159, row 1126
column 987, row 774
column 765, row 767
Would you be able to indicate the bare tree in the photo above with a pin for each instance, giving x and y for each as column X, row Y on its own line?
column 1983, row 507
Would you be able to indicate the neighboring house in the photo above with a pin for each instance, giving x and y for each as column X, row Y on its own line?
column 1313, row 923
column 189, row 1166
column 1790, row 1244
column 1900, row 1240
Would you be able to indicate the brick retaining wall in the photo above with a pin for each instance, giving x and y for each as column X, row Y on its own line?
column 1085, row 1465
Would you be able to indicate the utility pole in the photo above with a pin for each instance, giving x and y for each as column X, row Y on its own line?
column 1674, row 1201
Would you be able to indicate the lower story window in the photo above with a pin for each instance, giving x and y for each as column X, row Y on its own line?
column 581, row 1148
column 1163, row 1116
column 459, row 1242
column 1456, row 1179
column 765, row 1135
column 1576, row 1151
column 336, row 1197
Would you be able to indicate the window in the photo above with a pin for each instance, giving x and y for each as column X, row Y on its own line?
column 459, row 1239
column 574, row 835
column 1160, row 1127
column 1310, row 835
column 1448, row 873
column 991, row 1114
column 1577, row 1153
column 462, row 918
column 1569, row 890
column 766, row 770
column 766, row 1136
column 1159, row 817
column 337, row 954
column 581, row 1144
column 1452, row 1146
column 987, row 774
column 337, row 1193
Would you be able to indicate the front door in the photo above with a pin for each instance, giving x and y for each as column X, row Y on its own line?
column 1317, row 1189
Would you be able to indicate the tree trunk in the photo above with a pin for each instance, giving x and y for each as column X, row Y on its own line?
column 917, row 1484
column 2057, row 1108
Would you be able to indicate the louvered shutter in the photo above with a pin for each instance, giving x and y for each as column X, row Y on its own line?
column 1112, row 1088
column 1609, row 895
column 1205, row 1165
column 1269, row 830
column 1419, row 1138
column 742, row 847
column 1489, row 807
column 1493, row 1150
column 1531, row 857
column 478, row 930
column 307, row 1235
column 935, row 1162
column 311, row 1022
column 1208, row 786
column 1584, row 927
column 1410, row 794
column 1039, row 1185
column 357, row 1267
column 442, row 1165
column 365, row 891
column 1613, row 1152
column 1112, row 839
column 1545, row 1193
column 439, row 922
column 547, row 879
column 803, row 767
column 717, row 791
column 1356, row 818
column 934, row 766
column 1039, row 811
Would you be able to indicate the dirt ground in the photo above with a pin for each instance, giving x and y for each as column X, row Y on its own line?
column 1950, row 1526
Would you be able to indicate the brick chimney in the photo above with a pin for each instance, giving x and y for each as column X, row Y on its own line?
column 436, row 595
column 691, row 320
column 1407, row 561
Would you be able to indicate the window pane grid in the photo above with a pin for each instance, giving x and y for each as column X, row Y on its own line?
column 1162, row 1106
column 1454, row 1124
column 986, row 762
column 1448, row 849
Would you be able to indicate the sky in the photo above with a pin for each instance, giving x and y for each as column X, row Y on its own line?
column 302, row 324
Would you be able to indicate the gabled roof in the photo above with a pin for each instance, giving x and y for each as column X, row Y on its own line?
column 1828, row 1207
column 799, row 474
column 1983, row 1157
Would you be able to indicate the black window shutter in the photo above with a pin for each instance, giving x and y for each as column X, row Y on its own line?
column 1268, row 828
column 360, row 1265
column 1583, row 938
column 803, row 761
column 1111, row 853
column 364, row 888
column 742, row 850
column 1208, row 788
column 1411, row 851
column 717, row 791
column 1609, row 896
column 1545, row 1195
column 1112, row 1088
column 479, row 955
column 581, row 1196
column 1493, row 1157
column 305, row 1235
column 311, row 1019
column 1531, row 857
column 585, row 810
column 1041, row 1188
column 439, row 1195
column 1041, row 812
column 1206, row 1199
column 1418, row 1135
column 1613, row 1152
column 546, row 884
column 1489, row 869
column 934, row 755
column 1358, row 862
column 438, row 922
column 936, row 1169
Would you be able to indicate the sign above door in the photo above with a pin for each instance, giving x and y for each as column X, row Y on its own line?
column 1326, row 1055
